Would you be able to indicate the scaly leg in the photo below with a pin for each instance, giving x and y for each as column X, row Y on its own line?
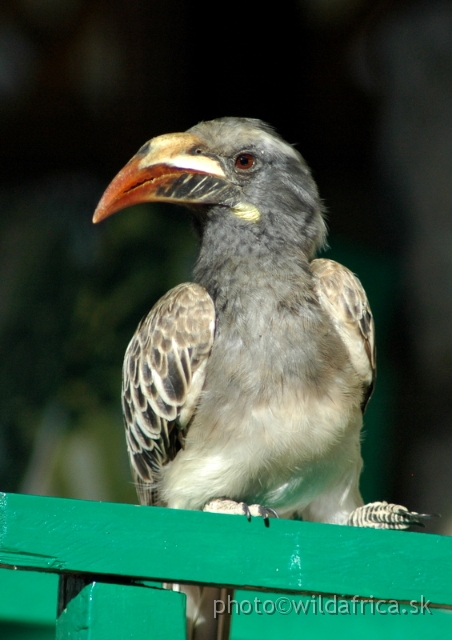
column 223, row 505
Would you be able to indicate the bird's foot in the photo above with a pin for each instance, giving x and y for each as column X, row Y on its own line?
column 224, row 505
column 381, row 515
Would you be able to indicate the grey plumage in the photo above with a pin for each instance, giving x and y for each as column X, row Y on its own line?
column 249, row 384
column 247, row 387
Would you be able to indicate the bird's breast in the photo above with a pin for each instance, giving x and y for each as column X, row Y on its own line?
column 265, row 343
column 276, row 370
column 280, row 399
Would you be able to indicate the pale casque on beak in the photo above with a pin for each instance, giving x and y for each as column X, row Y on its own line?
column 169, row 168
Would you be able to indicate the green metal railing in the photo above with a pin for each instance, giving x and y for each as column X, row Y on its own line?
column 294, row 579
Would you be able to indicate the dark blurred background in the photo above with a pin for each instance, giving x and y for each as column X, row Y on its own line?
column 364, row 88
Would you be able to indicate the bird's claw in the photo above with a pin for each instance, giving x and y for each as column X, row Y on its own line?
column 263, row 512
column 224, row 505
column 381, row 515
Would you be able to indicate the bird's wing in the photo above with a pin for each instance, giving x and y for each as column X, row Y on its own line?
column 164, row 371
column 342, row 296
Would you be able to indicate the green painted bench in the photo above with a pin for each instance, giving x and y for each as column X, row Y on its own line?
column 93, row 571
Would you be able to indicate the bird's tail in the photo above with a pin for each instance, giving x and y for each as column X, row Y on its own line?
column 208, row 614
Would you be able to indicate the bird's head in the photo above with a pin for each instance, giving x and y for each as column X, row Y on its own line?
column 233, row 172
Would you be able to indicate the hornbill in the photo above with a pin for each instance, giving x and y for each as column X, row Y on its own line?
column 244, row 390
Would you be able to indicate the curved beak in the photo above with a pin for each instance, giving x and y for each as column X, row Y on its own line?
column 170, row 168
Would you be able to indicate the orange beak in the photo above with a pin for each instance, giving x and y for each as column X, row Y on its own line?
column 170, row 168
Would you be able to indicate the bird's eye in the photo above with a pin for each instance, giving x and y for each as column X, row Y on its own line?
column 244, row 161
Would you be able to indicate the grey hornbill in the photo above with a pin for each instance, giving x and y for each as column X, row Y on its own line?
column 243, row 392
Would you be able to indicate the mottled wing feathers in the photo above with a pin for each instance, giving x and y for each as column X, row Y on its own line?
column 164, row 370
column 344, row 299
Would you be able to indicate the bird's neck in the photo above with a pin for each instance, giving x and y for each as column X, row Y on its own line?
column 243, row 266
